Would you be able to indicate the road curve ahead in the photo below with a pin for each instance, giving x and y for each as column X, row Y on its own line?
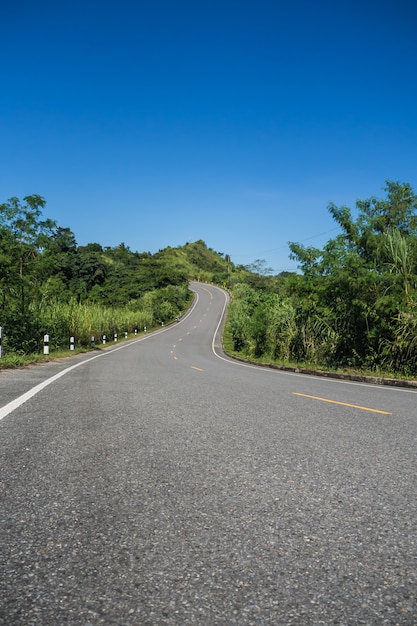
column 161, row 483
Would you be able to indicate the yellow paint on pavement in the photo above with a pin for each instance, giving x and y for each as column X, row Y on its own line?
column 209, row 292
column 353, row 406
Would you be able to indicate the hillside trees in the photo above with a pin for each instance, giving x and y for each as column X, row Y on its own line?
column 47, row 279
column 50, row 284
column 23, row 236
column 364, row 281
column 355, row 302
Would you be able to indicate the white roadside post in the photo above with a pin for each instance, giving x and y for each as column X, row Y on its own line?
column 72, row 343
column 46, row 344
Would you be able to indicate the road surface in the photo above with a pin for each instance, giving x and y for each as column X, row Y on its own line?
column 159, row 482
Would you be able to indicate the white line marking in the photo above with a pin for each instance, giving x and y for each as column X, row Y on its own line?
column 14, row 404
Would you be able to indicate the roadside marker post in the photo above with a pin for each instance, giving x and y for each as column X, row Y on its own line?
column 46, row 344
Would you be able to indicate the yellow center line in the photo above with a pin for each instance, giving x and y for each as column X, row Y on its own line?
column 353, row 406
column 196, row 368
column 209, row 292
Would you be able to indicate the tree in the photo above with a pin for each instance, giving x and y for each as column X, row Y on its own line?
column 362, row 280
column 259, row 267
column 60, row 262
column 29, row 235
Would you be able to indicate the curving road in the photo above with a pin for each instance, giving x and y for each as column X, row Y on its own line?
column 161, row 483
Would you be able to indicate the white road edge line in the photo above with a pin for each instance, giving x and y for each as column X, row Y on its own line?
column 14, row 404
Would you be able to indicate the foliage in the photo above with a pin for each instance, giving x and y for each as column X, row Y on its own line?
column 261, row 323
column 353, row 304
column 355, row 301
column 50, row 285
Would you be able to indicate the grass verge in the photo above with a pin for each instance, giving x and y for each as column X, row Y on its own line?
column 367, row 375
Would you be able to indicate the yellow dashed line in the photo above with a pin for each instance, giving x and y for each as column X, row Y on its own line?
column 209, row 292
column 353, row 406
column 196, row 368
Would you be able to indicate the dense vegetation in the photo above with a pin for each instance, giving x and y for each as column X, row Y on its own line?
column 352, row 305
column 355, row 302
column 50, row 285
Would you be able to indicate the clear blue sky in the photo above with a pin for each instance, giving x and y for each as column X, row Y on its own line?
column 237, row 122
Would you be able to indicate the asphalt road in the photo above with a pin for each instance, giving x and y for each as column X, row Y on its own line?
column 160, row 483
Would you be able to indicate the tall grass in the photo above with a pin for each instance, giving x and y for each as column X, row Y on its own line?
column 83, row 321
column 62, row 320
column 23, row 335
